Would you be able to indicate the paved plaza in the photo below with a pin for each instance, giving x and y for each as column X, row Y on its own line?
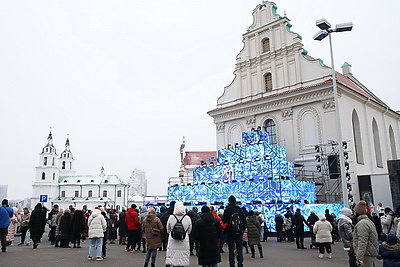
column 275, row 254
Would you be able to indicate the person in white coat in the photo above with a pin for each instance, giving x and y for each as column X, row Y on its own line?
column 97, row 226
column 178, row 251
column 322, row 230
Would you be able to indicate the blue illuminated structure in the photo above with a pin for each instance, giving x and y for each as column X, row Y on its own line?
column 257, row 174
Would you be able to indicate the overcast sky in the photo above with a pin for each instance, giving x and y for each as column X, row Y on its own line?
column 127, row 79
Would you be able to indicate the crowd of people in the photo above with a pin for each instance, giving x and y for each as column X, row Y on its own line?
column 367, row 234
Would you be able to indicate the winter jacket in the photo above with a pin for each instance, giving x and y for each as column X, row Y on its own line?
column 149, row 223
column 178, row 250
column 253, row 230
column 112, row 226
column 390, row 254
column 122, row 225
column 5, row 214
column 58, row 220
column 231, row 209
column 386, row 221
column 78, row 223
column 279, row 222
column 37, row 221
column 65, row 226
column 14, row 221
column 298, row 221
column 97, row 224
column 312, row 219
column 132, row 219
column 207, row 232
column 52, row 217
column 25, row 219
column 365, row 238
column 223, row 225
column 322, row 230
column 346, row 229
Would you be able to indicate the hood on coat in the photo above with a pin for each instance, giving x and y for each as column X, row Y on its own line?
column 207, row 217
column 96, row 213
column 322, row 217
column 179, row 209
column 150, row 217
column 163, row 209
column 38, row 206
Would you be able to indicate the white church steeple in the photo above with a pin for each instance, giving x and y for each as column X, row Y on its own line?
column 66, row 161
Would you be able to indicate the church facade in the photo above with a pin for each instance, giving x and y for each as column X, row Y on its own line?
column 56, row 179
column 278, row 87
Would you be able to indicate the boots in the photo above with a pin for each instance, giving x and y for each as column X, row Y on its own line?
column 146, row 264
column 153, row 265
column 253, row 252
column 260, row 250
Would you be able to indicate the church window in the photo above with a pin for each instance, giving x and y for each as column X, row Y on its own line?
column 68, row 155
column 70, row 165
column 62, row 193
column 76, row 193
column 268, row 82
column 45, row 161
column 54, row 176
column 119, row 193
column 47, row 150
column 377, row 144
column 52, row 162
column 43, row 176
column 266, row 45
column 105, row 193
column 357, row 138
column 90, row 193
column 63, row 165
column 392, row 143
column 270, row 128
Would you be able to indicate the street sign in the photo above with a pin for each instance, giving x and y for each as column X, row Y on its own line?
column 43, row 198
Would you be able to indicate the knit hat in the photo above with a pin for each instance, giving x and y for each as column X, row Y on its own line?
column 205, row 209
column 232, row 200
column 347, row 212
column 361, row 208
column 391, row 239
column 278, row 213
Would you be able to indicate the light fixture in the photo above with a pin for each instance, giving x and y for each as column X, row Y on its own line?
column 316, row 148
column 319, row 169
column 344, row 144
column 346, row 155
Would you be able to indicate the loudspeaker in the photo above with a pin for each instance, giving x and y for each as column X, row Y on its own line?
column 333, row 164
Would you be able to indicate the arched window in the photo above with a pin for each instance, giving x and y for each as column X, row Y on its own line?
column 90, row 193
column 70, row 165
column 377, row 144
column 357, row 138
column 268, row 82
column 392, row 143
column 62, row 193
column 235, row 135
column 43, row 176
column 54, row 176
column 105, row 193
column 45, row 161
column 309, row 134
column 266, row 46
column 119, row 193
column 270, row 128
column 63, row 165
column 76, row 193
column 52, row 162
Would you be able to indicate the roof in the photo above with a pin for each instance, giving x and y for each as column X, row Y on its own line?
column 90, row 180
column 195, row 157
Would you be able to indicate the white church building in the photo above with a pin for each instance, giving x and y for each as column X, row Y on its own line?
column 56, row 180
column 283, row 90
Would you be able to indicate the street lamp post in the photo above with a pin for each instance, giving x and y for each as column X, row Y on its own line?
column 326, row 30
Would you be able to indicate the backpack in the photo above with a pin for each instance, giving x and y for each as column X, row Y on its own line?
column 236, row 224
column 178, row 231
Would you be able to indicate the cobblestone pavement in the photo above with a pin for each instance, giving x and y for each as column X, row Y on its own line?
column 275, row 254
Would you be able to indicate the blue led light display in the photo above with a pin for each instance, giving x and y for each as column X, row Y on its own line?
column 253, row 171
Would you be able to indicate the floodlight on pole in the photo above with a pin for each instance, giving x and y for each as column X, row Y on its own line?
column 326, row 30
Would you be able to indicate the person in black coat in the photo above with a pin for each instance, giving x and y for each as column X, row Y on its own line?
column 37, row 223
column 298, row 222
column 234, row 240
column 207, row 232
column 312, row 219
column 65, row 229
column 78, row 226
column 164, row 220
column 122, row 227
column 279, row 226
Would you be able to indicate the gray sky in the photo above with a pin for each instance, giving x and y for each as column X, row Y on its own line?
column 127, row 79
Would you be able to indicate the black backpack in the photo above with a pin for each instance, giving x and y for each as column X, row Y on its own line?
column 236, row 224
column 178, row 231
